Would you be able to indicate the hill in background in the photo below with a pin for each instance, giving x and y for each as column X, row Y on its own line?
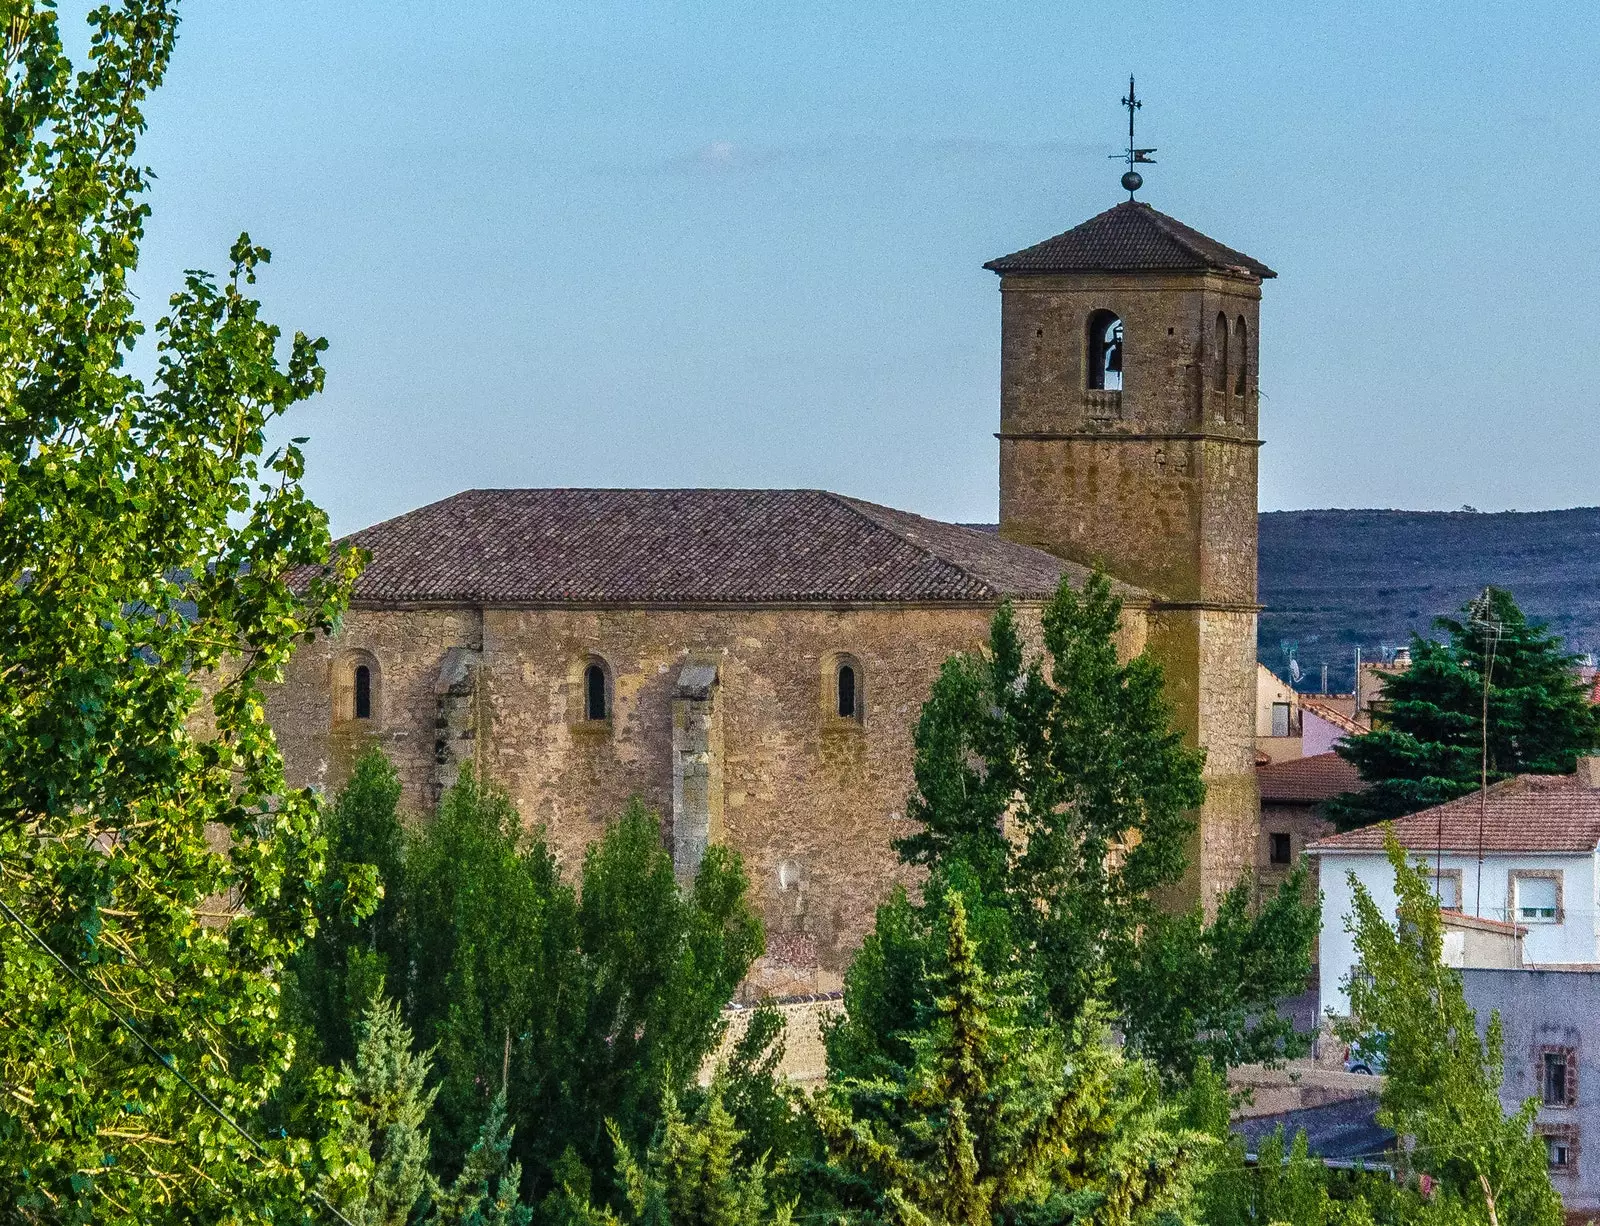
column 1335, row 580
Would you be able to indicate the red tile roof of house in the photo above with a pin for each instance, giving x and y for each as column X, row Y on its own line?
column 1131, row 237
column 692, row 546
column 1307, row 780
column 1527, row 813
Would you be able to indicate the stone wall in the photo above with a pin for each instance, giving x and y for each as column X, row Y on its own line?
column 811, row 800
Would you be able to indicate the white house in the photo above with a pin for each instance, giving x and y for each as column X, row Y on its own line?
column 1526, row 855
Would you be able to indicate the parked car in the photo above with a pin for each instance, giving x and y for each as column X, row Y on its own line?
column 1368, row 1054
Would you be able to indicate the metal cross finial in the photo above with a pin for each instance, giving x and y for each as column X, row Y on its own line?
column 1132, row 180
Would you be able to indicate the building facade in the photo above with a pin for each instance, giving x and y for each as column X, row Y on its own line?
column 752, row 663
column 1550, row 1036
column 1540, row 841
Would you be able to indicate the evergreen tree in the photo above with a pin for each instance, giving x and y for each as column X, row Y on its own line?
column 485, row 1191
column 1442, row 1083
column 694, row 1173
column 1057, row 799
column 995, row 1117
column 388, row 1087
column 148, row 536
column 1426, row 744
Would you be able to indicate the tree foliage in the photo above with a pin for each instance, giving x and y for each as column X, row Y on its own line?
column 996, row 1118
column 1053, row 794
column 1442, row 1088
column 1427, row 742
column 391, row 1097
column 146, row 540
column 581, row 1002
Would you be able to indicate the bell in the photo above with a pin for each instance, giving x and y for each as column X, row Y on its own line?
column 1114, row 356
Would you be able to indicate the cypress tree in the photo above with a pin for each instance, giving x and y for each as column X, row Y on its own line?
column 1427, row 738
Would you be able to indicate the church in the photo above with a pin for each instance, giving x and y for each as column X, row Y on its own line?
column 751, row 663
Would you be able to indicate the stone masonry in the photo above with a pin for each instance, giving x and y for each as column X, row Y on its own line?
column 728, row 624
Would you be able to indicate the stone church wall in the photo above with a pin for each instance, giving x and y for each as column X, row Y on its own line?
column 810, row 799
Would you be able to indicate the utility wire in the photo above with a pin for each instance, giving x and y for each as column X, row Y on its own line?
column 166, row 1062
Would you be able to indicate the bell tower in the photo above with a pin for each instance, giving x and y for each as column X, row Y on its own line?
column 1128, row 410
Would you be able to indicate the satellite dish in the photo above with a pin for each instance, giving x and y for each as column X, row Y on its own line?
column 1294, row 670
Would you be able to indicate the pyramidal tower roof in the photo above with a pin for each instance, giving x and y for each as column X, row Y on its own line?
column 1132, row 237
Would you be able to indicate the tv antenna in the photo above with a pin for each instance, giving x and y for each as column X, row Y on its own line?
column 1132, row 180
column 1483, row 617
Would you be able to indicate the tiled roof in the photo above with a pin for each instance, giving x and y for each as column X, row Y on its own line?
column 1132, row 237
column 1527, row 813
column 598, row 546
column 1307, row 780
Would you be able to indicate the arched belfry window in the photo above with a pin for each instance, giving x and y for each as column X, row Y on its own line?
column 1104, row 352
column 848, row 698
column 1219, row 378
column 1241, row 343
column 363, row 694
column 595, row 696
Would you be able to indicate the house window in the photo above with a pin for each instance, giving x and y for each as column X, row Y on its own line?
column 1561, row 1149
column 847, row 692
column 1447, row 889
column 363, row 695
column 1537, row 899
column 1280, row 719
column 1105, row 357
column 1558, row 1076
column 1280, row 847
column 595, row 705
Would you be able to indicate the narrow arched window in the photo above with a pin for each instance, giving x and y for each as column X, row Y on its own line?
column 594, row 692
column 1219, row 378
column 363, row 689
column 848, row 704
column 1241, row 343
column 1104, row 352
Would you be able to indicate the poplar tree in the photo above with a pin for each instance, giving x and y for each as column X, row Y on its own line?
column 1427, row 741
column 1442, row 1076
column 1053, row 793
column 148, row 839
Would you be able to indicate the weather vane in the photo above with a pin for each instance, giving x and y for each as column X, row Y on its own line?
column 1132, row 180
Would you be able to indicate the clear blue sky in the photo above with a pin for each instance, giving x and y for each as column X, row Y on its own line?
column 740, row 244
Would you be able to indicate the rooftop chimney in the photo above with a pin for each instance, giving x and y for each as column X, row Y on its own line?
column 1589, row 772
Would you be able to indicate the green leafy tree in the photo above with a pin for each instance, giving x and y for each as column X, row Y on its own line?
column 1055, row 796
column 147, row 539
column 341, row 970
column 1442, row 1088
column 578, row 1005
column 489, row 938
column 1427, row 743
column 995, row 1118
column 1191, row 992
